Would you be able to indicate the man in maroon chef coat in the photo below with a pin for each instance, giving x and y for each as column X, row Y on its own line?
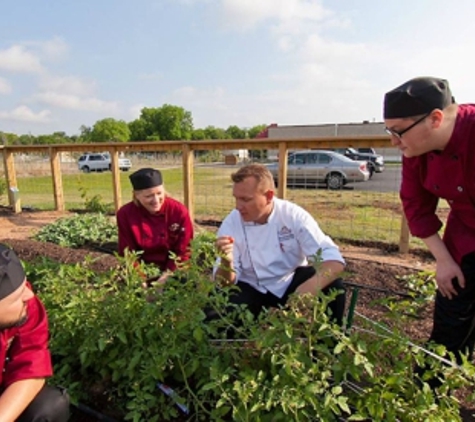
column 436, row 137
column 24, row 355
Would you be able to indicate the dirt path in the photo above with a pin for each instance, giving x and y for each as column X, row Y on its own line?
column 25, row 224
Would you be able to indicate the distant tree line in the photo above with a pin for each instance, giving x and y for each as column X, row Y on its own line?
column 167, row 122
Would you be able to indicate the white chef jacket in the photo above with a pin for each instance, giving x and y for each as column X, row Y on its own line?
column 266, row 255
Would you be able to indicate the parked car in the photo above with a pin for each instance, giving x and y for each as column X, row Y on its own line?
column 101, row 162
column 367, row 150
column 375, row 161
column 311, row 168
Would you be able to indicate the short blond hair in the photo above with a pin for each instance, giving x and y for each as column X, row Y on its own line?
column 259, row 172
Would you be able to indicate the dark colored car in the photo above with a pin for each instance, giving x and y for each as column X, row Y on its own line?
column 366, row 150
column 375, row 161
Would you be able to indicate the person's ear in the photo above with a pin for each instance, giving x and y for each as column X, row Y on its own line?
column 269, row 195
column 436, row 118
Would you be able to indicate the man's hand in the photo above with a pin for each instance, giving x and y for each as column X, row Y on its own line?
column 225, row 273
column 447, row 270
column 164, row 277
column 447, row 273
column 325, row 275
column 225, row 246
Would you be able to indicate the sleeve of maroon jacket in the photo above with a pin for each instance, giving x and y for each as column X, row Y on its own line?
column 419, row 204
column 125, row 233
column 181, row 245
column 29, row 354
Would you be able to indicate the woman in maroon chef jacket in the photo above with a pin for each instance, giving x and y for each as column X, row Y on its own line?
column 154, row 224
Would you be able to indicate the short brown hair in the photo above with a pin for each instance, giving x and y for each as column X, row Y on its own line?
column 260, row 172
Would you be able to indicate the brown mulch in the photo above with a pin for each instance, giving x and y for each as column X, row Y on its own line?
column 368, row 264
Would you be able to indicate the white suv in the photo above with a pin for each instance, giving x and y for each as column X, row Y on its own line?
column 100, row 162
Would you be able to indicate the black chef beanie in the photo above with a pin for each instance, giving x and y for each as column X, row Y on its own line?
column 146, row 178
column 12, row 274
column 417, row 96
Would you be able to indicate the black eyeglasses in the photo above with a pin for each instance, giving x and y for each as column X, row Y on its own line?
column 398, row 134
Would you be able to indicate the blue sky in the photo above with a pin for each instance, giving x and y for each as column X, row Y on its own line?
column 64, row 64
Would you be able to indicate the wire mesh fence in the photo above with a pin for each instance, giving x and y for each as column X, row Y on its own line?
column 358, row 210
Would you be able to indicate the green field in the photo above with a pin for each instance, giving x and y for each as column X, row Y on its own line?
column 347, row 214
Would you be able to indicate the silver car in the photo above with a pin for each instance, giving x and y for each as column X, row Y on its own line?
column 311, row 168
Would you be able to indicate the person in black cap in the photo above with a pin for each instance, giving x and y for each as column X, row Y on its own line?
column 437, row 139
column 25, row 360
column 154, row 224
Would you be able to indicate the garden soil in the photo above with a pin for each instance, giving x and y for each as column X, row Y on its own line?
column 378, row 268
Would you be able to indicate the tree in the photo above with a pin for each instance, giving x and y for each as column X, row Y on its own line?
column 139, row 130
column 26, row 139
column 215, row 133
column 61, row 138
column 85, row 134
column 234, row 132
column 198, row 135
column 255, row 130
column 47, row 140
column 110, row 129
column 9, row 138
column 169, row 122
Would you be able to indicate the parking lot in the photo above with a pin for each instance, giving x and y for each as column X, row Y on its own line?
column 387, row 181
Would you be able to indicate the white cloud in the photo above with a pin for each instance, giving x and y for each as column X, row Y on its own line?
column 5, row 87
column 54, row 48
column 194, row 98
column 67, row 85
column 73, row 93
column 75, row 102
column 134, row 110
column 18, row 59
column 246, row 14
column 316, row 48
column 25, row 114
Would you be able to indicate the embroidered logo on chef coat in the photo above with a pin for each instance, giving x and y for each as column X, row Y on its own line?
column 285, row 234
column 174, row 227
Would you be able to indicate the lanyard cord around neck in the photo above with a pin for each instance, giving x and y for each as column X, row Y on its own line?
column 249, row 253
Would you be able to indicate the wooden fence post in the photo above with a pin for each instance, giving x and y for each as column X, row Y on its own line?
column 282, row 182
column 188, row 159
column 404, row 236
column 116, row 186
column 10, row 175
column 54, row 158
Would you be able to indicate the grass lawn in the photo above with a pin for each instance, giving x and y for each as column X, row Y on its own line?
column 346, row 214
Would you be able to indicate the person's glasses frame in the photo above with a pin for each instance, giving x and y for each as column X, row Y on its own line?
column 398, row 134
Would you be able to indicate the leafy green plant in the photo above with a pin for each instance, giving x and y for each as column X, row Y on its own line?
column 421, row 290
column 95, row 203
column 110, row 340
column 79, row 230
column 114, row 339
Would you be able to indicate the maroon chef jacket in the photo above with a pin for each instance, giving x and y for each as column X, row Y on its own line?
column 24, row 352
column 447, row 174
column 169, row 230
